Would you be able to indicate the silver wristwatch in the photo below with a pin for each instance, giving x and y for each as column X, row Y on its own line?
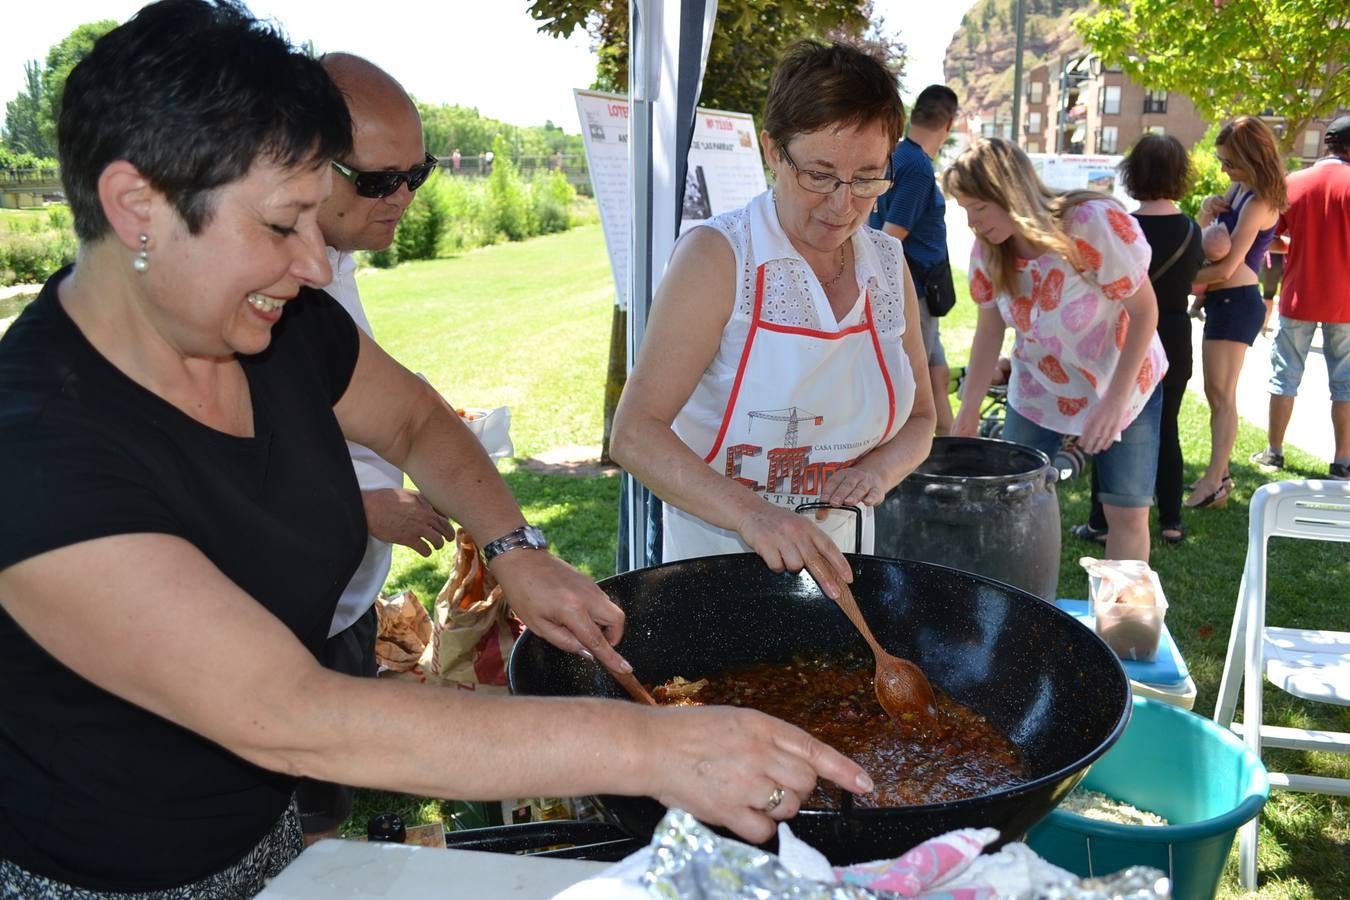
column 526, row 536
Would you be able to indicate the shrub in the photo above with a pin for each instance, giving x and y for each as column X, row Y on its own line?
column 26, row 257
column 508, row 204
column 551, row 201
column 423, row 223
column 466, row 208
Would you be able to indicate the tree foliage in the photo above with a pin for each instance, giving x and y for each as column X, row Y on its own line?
column 61, row 58
column 447, row 128
column 1287, row 57
column 747, row 39
column 23, row 116
column 30, row 118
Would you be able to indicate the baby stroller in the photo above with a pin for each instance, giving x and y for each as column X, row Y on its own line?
column 1070, row 460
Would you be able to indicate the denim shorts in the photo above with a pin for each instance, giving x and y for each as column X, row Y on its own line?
column 1126, row 471
column 1290, row 351
column 932, row 342
column 1234, row 314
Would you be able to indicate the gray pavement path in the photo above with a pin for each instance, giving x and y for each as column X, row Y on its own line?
column 1310, row 427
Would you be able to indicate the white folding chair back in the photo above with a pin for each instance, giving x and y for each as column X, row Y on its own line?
column 1308, row 663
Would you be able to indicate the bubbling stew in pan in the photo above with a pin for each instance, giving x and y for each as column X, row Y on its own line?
column 833, row 699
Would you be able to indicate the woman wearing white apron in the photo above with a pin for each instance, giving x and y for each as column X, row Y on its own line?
column 777, row 368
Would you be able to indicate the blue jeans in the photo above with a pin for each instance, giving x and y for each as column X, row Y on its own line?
column 1290, row 351
column 1126, row 471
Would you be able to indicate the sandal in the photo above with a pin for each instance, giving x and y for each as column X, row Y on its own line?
column 1172, row 534
column 1216, row 500
column 1086, row 532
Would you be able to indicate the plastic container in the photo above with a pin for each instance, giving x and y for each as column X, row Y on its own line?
column 1128, row 606
column 1200, row 777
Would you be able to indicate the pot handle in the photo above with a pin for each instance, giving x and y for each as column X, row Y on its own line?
column 857, row 518
column 950, row 492
column 1052, row 477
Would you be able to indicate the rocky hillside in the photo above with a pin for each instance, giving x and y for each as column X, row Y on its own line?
column 979, row 61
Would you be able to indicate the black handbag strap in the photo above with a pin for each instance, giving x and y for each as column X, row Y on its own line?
column 1190, row 233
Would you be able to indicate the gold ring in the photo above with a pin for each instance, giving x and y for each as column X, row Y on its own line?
column 775, row 798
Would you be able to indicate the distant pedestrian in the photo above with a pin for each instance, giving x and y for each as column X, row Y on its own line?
column 915, row 211
column 557, row 161
column 482, row 163
column 1317, row 270
column 1247, row 151
column 487, row 162
column 455, row 160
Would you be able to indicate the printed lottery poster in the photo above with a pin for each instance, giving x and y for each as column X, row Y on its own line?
column 1069, row 171
column 725, row 170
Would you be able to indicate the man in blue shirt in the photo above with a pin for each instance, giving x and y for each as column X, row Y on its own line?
column 914, row 211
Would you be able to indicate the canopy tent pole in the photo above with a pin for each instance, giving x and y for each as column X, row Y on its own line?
column 668, row 51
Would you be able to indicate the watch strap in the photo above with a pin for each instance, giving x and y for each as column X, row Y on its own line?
column 525, row 537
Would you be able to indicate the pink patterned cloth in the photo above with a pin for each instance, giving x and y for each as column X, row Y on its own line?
column 926, row 866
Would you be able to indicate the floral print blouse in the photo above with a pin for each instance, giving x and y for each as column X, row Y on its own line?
column 1070, row 326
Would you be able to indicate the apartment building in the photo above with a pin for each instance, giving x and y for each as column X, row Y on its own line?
column 1079, row 105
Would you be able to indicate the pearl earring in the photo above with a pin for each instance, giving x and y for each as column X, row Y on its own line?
column 142, row 260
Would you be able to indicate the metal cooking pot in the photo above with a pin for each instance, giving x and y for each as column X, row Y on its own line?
column 1049, row 684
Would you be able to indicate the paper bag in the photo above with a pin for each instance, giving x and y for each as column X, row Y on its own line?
column 404, row 631
column 472, row 629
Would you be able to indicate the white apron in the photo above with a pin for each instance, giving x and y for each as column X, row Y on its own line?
column 803, row 404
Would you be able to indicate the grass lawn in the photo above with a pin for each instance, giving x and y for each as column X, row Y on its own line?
column 527, row 325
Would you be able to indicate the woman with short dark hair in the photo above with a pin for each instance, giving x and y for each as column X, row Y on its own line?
column 778, row 365
column 1157, row 173
column 182, row 515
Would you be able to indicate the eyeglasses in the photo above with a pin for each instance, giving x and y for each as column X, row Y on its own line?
column 825, row 183
column 375, row 185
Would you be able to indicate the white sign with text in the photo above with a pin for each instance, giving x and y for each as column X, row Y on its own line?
column 725, row 169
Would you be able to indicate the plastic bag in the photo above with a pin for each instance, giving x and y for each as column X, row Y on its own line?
column 1128, row 605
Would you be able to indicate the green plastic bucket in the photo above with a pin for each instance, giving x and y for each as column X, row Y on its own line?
column 1198, row 776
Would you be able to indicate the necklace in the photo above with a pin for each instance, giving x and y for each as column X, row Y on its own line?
column 837, row 275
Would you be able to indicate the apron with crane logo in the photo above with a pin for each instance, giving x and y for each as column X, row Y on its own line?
column 803, row 404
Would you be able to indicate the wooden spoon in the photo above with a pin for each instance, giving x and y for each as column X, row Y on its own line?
column 628, row 681
column 901, row 686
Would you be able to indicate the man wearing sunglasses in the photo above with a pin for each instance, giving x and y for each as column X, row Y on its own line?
column 371, row 190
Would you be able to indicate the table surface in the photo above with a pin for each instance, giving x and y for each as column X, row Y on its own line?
column 347, row 870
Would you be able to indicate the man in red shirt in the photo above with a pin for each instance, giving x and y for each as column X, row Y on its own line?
column 1316, row 291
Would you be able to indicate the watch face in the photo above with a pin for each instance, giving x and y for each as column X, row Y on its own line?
column 534, row 536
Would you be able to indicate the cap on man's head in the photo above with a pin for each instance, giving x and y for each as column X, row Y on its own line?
column 1338, row 132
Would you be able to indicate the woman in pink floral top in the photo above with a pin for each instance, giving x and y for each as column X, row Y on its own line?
column 1069, row 273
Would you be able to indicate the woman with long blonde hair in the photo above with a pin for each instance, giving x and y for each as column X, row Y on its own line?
column 1234, row 309
column 1069, row 273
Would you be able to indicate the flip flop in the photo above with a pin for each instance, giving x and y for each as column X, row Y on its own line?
column 1177, row 535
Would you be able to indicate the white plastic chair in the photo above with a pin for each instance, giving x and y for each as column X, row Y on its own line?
column 1308, row 663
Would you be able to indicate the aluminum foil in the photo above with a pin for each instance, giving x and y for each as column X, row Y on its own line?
column 1134, row 883
column 688, row 861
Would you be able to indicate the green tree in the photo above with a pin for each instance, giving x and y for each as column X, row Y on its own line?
column 748, row 37
column 23, row 116
column 1244, row 56
column 61, row 58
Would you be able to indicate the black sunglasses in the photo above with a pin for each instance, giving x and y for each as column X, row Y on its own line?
column 375, row 185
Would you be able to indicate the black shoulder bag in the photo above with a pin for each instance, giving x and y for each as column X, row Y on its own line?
column 934, row 285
